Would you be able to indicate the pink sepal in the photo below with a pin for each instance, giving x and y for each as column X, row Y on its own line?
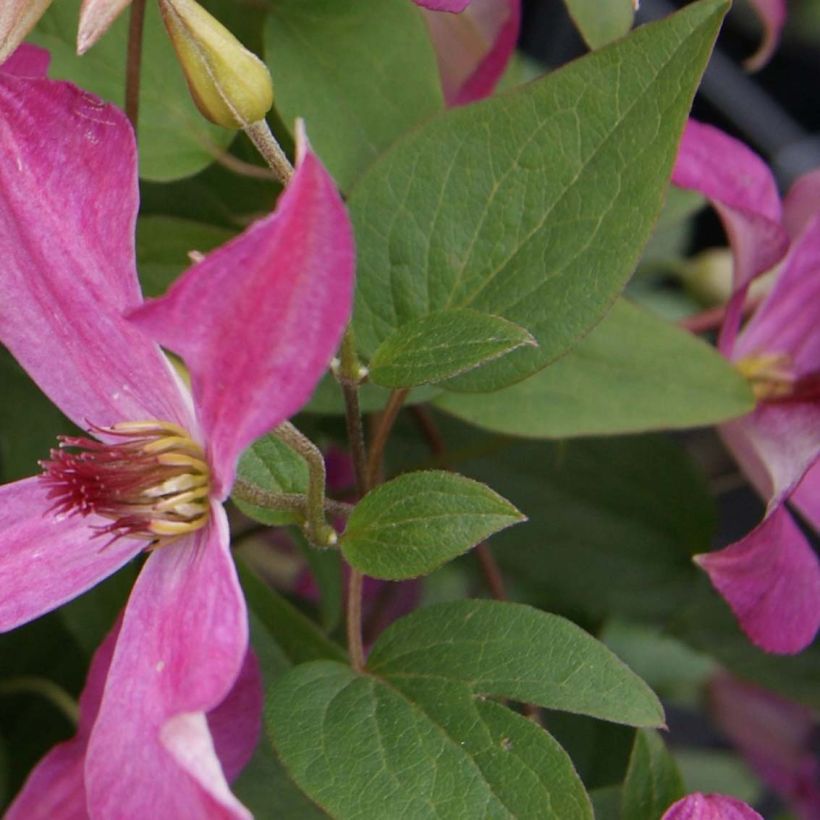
column 453, row 6
column 775, row 736
column 772, row 15
column 27, row 61
column 473, row 48
column 806, row 496
column 95, row 18
column 743, row 191
column 771, row 580
column 17, row 19
column 67, row 220
column 710, row 807
column 49, row 559
column 802, row 203
column 55, row 787
column 259, row 319
column 181, row 648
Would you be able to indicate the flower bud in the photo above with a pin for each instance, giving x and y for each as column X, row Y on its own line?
column 231, row 86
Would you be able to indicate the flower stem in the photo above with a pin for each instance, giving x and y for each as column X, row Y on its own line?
column 317, row 530
column 34, row 685
column 382, row 433
column 289, row 502
column 261, row 136
column 350, row 373
column 136, row 25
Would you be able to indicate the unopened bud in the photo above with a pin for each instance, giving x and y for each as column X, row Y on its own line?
column 230, row 85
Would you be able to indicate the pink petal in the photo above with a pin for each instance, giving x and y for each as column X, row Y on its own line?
column 473, row 48
column 258, row 320
column 46, row 560
column 17, row 19
column 771, row 580
column 236, row 724
column 775, row 736
column 453, row 6
column 742, row 190
column 55, row 787
column 95, row 18
column 710, row 807
column 806, row 496
column 27, row 61
column 802, row 203
column 67, row 216
column 181, row 648
column 772, row 14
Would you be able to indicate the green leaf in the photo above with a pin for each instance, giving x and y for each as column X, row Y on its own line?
column 272, row 466
column 601, row 21
column 606, row 802
column 442, row 345
column 593, row 545
column 360, row 748
column 419, row 521
column 360, row 72
column 633, row 373
column 174, row 139
column 652, row 782
column 533, row 205
column 708, row 625
column 718, row 770
column 163, row 245
column 515, row 651
column 296, row 635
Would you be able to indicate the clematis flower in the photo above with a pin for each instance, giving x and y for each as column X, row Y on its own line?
column 770, row 578
column 256, row 322
column 699, row 806
column 56, row 786
column 18, row 18
column 473, row 47
column 775, row 736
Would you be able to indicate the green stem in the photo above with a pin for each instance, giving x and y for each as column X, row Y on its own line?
column 133, row 66
column 261, row 136
column 288, row 502
column 33, row 685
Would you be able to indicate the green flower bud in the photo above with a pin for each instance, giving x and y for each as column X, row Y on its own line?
column 231, row 86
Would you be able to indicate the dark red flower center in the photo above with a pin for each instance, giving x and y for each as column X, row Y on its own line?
column 148, row 477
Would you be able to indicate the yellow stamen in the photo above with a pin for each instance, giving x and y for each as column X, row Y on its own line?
column 770, row 375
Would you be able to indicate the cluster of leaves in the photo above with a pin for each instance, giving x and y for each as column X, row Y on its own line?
column 494, row 243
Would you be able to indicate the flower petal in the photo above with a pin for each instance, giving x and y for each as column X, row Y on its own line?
column 258, row 320
column 710, row 807
column 774, row 735
column 453, row 6
column 181, row 648
column 473, row 48
column 771, row 580
column 742, row 190
column 806, row 496
column 67, row 215
column 802, row 203
column 55, row 787
column 772, row 14
column 45, row 559
column 17, row 19
column 27, row 61
column 95, row 18
column 236, row 723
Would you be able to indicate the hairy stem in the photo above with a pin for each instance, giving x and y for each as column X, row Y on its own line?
column 133, row 66
column 261, row 136
column 289, row 502
column 34, row 685
column 382, row 433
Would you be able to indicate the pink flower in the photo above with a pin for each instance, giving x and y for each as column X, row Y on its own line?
column 771, row 578
column 18, row 18
column 56, row 786
column 256, row 322
column 473, row 47
column 776, row 736
column 772, row 14
column 710, row 807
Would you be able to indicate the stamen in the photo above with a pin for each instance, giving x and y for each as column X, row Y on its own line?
column 153, row 481
column 770, row 375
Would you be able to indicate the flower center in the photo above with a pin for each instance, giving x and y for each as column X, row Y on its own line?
column 152, row 482
column 772, row 378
